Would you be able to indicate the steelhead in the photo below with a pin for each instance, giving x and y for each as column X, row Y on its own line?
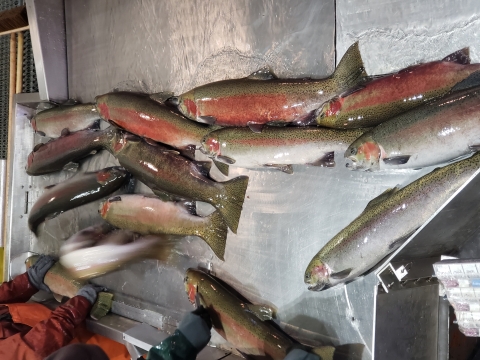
column 62, row 284
column 242, row 324
column 433, row 134
column 65, row 119
column 149, row 215
column 141, row 115
column 385, row 223
column 263, row 98
column 76, row 191
column 277, row 147
column 170, row 175
column 116, row 249
column 56, row 154
column 393, row 94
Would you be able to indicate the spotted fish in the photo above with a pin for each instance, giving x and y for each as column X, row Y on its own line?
column 385, row 223
column 433, row 134
column 263, row 98
column 393, row 94
column 277, row 147
column 149, row 215
column 244, row 325
column 64, row 119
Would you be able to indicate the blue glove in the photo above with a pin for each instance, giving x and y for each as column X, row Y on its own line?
column 37, row 272
column 90, row 292
column 195, row 326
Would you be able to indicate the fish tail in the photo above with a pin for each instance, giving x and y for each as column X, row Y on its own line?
column 215, row 234
column 350, row 71
column 325, row 352
column 230, row 205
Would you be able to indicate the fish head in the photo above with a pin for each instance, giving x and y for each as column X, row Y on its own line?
column 186, row 104
column 191, row 281
column 363, row 154
column 211, row 145
column 108, row 175
column 317, row 276
column 326, row 115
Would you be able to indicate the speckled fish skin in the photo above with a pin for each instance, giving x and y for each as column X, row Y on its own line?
column 148, row 215
column 233, row 321
column 381, row 226
column 276, row 145
column 241, row 101
column 438, row 132
column 58, row 279
column 52, row 122
column 75, row 192
column 55, row 154
column 388, row 96
column 167, row 172
column 142, row 116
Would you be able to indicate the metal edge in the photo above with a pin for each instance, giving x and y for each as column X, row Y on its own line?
column 47, row 32
column 392, row 256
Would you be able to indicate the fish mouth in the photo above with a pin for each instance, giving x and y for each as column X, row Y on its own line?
column 318, row 287
column 351, row 163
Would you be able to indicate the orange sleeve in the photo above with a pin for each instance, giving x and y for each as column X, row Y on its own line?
column 58, row 330
column 17, row 290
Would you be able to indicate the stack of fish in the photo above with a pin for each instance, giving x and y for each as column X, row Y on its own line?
column 427, row 114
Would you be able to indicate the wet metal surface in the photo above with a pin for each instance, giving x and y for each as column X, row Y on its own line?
column 173, row 46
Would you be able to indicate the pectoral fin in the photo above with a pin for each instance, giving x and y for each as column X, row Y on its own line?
column 50, row 186
column 150, row 141
column 226, row 159
column 222, row 167
column 65, row 132
column 260, row 311
column 397, row 160
column 255, row 127
column 71, row 166
column 325, row 161
column 204, row 167
column 340, row 275
column 70, row 102
column 58, row 297
column 287, row 169
column 41, row 133
column 210, row 120
column 262, row 74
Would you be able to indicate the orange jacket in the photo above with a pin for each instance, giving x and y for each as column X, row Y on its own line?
column 50, row 330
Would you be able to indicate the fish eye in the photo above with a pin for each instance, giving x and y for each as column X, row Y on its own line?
column 307, row 276
column 353, row 151
column 186, row 278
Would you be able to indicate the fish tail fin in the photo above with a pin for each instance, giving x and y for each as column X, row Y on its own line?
column 215, row 234
column 325, row 352
column 164, row 249
column 350, row 70
column 230, row 205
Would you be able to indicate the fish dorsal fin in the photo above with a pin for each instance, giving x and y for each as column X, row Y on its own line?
column 461, row 56
column 58, row 297
column 255, row 127
column 341, row 274
column 204, row 167
column 471, row 81
column 162, row 96
column 350, row 70
column 260, row 311
column 262, row 74
column 224, row 168
column 191, row 207
column 382, row 197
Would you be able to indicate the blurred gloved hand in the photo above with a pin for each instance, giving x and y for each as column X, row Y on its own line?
column 37, row 272
column 195, row 326
column 90, row 292
column 203, row 313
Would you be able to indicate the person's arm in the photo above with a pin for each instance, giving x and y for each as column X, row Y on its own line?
column 24, row 286
column 58, row 330
column 192, row 335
